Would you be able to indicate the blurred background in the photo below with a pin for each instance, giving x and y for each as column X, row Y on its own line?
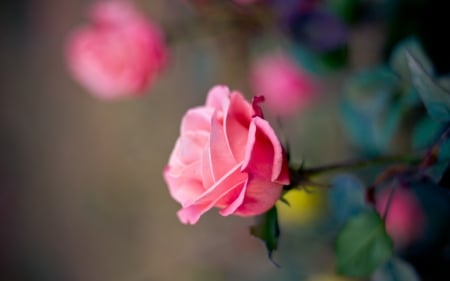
column 81, row 190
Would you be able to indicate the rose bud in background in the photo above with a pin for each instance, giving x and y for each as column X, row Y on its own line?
column 118, row 54
column 228, row 157
column 285, row 86
column 405, row 219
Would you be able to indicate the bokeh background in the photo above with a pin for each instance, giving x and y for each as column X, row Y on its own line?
column 82, row 196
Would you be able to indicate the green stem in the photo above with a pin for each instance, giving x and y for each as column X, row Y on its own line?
column 388, row 205
column 303, row 176
column 360, row 164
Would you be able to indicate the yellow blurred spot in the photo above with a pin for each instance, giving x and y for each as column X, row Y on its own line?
column 305, row 206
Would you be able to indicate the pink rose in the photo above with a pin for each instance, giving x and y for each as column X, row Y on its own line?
column 405, row 220
column 227, row 156
column 285, row 85
column 119, row 53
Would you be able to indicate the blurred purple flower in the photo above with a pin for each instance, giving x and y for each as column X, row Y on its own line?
column 319, row 30
column 285, row 9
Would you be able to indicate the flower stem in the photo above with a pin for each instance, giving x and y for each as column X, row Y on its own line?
column 388, row 205
column 360, row 164
column 302, row 176
column 425, row 160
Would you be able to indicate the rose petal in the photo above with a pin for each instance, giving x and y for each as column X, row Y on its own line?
column 185, row 170
column 192, row 214
column 259, row 153
column 188, row 148
column 222, row 186
column 218, row 97
column 260, row 196
column 207, row 172
column 184, row 187
column 197, row 119
column 264, row 155
column 237, row 202
column 221, row 156
column 237, row 119
column 231, row 181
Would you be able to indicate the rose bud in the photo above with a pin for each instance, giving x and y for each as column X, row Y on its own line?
column 286, row 87
column 118, row 54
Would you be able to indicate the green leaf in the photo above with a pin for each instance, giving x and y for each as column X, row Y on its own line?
column 395, row 270
column 434, row 94
column 399, row 62
column 268, row 230
column 372, row 109
column 362, row 245
column 426, row 132
column 437, row 171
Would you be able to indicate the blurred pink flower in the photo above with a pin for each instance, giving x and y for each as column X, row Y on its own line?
column 227, row 156
column 405, row 220
column 285, row 85
column 118, row 53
